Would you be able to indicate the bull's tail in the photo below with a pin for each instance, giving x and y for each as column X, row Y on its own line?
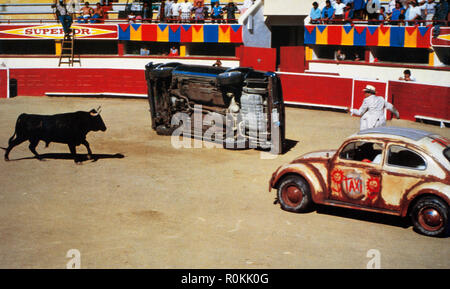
column 11, row 139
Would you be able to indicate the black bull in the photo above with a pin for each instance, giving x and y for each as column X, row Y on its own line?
column 68, row 128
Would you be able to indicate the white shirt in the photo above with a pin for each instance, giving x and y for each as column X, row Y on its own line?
column 412, row 12
column 391, row 6
column 430, row 7
column 175, row 8
column 186, row 7
column 372, row 112
column 339, row 9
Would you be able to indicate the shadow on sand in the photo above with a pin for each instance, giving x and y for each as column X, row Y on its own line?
column 78, row 157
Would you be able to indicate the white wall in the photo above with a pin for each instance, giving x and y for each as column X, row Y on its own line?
column 426, row 76
column 126, row 63
column 288, row 7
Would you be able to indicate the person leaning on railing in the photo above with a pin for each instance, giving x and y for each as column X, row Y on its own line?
column 231, row 9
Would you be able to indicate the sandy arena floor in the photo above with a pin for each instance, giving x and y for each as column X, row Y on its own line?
column 159, row 207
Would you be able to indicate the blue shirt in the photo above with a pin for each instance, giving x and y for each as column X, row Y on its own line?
column 327, row 12
column 396, row 13
column 217, row 11
column 359, row 4
column 315, row 13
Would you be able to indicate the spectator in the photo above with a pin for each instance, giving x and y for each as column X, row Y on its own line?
column 327, row 12
column 144, row 51
column 398, row 14
column 315, row 14
column 338, row 10
column 428, row 8
column 339, row 55
column 85, row 13
column 99, row 14
column 348, row 13
column 173, row 51
column 359, row 7
column 131, row 17
column 231, row 9
column 200, row 12
column 186, row 10
column 440, row 16
column 168, row 10
column 213, row 3
column 382, row 15
column 147, row 11
column 412, row 14
column 218, row 63
column 175, row 11
column 216, row 13
column 407, row 76
column 63, row 15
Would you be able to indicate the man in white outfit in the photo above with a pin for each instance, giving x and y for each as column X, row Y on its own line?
column 372, row 109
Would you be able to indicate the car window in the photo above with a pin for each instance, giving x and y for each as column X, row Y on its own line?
column 368, row 152
column 447, row 153
column 403, row 157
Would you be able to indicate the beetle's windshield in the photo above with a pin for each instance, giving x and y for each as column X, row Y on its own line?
column 447, row 153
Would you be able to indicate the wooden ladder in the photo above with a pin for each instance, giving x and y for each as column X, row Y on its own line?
column 67, row 50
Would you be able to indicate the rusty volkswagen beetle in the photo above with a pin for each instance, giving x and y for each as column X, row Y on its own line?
column 390, row 170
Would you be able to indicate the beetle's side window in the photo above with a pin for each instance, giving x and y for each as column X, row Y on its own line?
column 368, row 152
column 403, row 157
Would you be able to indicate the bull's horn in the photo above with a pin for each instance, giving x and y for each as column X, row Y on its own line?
column 99, row 109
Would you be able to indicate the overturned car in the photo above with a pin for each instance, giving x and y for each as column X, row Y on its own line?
column 236, row 108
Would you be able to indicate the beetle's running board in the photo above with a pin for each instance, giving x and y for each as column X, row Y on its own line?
column 359, row 207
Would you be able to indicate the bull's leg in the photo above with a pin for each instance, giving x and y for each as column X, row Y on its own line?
column 32, row 147
column 12, row 144
column 73, row 151
column 86, row 144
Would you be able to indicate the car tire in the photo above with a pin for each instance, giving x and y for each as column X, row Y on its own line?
column 429, row 216
column 294, row 194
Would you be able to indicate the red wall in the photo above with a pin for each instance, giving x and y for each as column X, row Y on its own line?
column 258, row 58
column 4, row 83
column 409, row 98
column 419, row 99
column 317, row 89
column 292, row 58
column 36, row 82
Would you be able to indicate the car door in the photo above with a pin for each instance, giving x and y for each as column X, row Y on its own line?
column 355, row 175
column 403, row 168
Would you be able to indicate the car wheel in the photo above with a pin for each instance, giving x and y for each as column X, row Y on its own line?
column 430, row 216
column 294, row 194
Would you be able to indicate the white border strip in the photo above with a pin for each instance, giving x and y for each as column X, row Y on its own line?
column 316, row 105
column 7, row 84
column 95, row 94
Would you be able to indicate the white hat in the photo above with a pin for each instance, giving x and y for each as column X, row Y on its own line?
column 369, row 88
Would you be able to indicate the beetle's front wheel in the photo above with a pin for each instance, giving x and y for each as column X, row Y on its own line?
column 294, row 194
column 430, row 216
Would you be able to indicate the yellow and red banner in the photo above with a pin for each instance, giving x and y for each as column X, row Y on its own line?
column 55, row 31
